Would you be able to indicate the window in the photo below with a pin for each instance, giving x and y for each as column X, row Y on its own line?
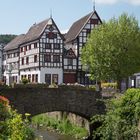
column 47, row 58
column 48, row 78
column 22, row 76
column 51, row 35
column 25, row 76
column 8, row 55
column 93, row 21
column 29, row 77
column 88, row 31
column 4, row 57
column 35, row 58
column 33, row 77
column 14, row 79
column 36, row 78
column 47, row 46
column 25, row 48
column 30, row 47
column 56, row 58
column 21, row 49
column 51, row 28
column 70, row 61
column 55, row 78
column 27, row 60
column 57, row 46
column 35, row 45
column 22, row 61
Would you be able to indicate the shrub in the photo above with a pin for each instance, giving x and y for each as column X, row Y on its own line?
column 4, row 100
column 122, row 118
column 12, row 127
column 24, row 81
column 109, row 85
column 92, row 87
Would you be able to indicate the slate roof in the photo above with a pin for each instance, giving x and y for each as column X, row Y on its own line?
column 77, row 26
column 35, row 31
column 14, row 43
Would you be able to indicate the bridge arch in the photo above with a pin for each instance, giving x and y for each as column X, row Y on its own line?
column 82, row 102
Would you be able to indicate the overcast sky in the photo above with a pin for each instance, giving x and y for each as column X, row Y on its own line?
column 16, row 16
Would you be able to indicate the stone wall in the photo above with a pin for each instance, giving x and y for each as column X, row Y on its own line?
column 82, row 102
column 73, row 118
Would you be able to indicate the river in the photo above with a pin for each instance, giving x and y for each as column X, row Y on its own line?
column 43, row 134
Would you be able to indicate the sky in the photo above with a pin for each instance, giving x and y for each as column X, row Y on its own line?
column 17, row 16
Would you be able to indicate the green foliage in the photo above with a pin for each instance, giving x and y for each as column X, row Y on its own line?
column 109, row 85
column 12, row 127
column 113, row 49
column 92, row 87
column 63, row 126
column 24, row 81
column 4, row 39
column 122, row 118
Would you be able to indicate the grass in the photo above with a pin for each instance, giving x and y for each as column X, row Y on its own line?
column 62, row 126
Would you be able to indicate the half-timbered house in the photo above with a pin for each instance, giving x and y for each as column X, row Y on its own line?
column 1, row 52
column 75, row 41
column 11, row 60
column 41, row 52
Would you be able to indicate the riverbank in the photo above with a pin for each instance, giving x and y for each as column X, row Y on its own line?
column 63, row 126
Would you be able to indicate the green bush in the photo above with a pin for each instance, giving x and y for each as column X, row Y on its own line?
column 12, row 127
column 122, row 118
column 92, row 87
column 109, row 85
column 24, row 81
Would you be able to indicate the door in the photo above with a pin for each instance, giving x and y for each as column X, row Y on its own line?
column 48, row 78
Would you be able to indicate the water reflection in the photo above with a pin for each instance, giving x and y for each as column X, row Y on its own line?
column 42, row 134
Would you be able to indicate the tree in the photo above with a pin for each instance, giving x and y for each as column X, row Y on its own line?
column 112, row 50
column 4, row 39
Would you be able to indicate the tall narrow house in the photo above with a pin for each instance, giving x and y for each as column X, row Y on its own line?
column 75, row 41
column 11, row 60
column 1, row 52
column 40, row 57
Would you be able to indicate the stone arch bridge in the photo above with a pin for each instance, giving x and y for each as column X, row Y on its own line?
column 82, row 102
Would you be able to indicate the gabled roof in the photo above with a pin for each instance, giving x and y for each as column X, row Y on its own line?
column 35, row 31
column 14, row 43
column 77, row 26
column 69, row 53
